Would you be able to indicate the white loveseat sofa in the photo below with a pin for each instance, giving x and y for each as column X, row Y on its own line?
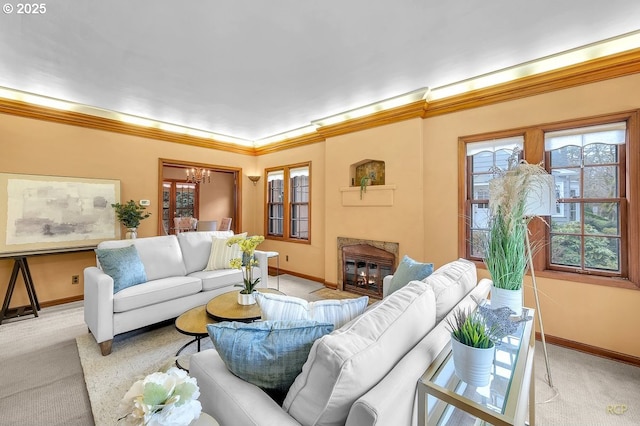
column 364, row 373
column 176, row 282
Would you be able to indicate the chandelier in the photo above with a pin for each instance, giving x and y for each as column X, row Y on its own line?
column 198, row 175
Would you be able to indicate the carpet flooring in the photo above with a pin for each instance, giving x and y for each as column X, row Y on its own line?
column 41, row 379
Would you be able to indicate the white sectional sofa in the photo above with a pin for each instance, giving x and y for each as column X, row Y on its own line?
column 176, row 282
column 364, row 373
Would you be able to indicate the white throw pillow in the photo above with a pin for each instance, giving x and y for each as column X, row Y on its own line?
column 221, row 253
column 196, row 248
column 345, row 364
column 276, row 307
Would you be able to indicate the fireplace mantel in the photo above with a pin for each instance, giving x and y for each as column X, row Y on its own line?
column 375, row 196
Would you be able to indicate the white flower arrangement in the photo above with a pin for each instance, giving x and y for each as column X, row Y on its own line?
column 162, row 399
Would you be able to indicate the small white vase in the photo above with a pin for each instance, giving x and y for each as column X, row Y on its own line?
column 472, row 365
column 131, row 234
column 246, row 299
column 510, row 298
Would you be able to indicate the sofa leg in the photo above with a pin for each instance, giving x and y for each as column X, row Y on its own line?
column 105, row 347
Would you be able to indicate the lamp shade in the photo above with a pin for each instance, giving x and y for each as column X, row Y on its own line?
column 539, row 193
column 541, row 196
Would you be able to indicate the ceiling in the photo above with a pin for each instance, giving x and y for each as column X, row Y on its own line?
column 252, row 69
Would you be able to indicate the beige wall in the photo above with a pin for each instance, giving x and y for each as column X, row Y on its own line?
column 217, row 198
column 40, row 147
column 421, row 161
column 400, row 146
column 301, row 258
column 590, row 314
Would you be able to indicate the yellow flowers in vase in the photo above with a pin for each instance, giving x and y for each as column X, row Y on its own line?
column 247, row 262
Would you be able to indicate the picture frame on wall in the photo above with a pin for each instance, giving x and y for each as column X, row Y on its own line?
column 42, row 213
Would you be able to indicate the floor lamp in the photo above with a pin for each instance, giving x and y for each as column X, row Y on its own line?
column 540, row 201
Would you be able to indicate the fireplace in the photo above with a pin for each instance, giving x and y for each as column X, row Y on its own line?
column 364, row 263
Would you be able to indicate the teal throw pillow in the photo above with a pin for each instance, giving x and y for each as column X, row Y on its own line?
column 409, row 270
column 268, row 354
column 123, row 265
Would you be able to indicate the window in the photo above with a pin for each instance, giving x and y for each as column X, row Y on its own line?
column 179, row 199
column 288, row 202
column 593, row 235
column 275, row 203
column 484, row 158
column 588, row 166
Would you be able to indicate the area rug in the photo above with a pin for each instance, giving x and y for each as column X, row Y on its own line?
column 133, row 356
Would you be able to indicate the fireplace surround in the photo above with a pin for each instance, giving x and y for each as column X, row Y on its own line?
column 362, row 265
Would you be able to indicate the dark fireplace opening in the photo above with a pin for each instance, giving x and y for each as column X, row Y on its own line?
column 364, row 267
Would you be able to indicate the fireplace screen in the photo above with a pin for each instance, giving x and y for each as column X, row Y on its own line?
column 364, row 267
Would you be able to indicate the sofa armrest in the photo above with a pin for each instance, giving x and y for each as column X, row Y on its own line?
column 231, row 400
column 98, row 303
column 263, row 264
column 386, row 283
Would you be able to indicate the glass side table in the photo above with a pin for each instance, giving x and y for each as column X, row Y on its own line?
column 444, row 399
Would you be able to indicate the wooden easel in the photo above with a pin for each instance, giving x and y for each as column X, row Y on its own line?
column 20, row 265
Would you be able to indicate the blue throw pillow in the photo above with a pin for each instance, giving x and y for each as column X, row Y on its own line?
column 123, row 265
column 409, row 270
column 268, row 354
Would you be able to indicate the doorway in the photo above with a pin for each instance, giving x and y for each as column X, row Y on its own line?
column 211, row 200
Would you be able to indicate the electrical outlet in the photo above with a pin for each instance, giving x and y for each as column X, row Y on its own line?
column 75, row 279
column 286, row 258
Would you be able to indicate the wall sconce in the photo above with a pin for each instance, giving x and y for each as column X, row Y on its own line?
column 254, row 179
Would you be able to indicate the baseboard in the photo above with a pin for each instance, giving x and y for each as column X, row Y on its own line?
column 49, row 303
column 273, row 271
column 591, row 350
column 61, row 301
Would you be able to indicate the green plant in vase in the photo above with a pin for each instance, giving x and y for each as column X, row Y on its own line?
column 472, row 346
column 130, row 215
column 471, row 329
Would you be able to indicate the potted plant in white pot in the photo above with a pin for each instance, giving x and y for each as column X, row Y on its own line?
column 130, row 215
column 506, row 256
column 472, row 346
column 246, row 263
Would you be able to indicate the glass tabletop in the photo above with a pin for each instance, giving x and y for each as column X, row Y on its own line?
column 492, row 397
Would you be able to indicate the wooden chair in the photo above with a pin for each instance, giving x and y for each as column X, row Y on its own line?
column 184, row 224
column 225, row 224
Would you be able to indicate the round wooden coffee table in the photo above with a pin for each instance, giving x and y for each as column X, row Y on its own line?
column 225, row 307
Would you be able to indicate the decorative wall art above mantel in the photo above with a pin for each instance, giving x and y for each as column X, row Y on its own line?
column 55, row 213
column 367, row 185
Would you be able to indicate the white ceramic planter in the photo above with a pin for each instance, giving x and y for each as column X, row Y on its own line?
column 246, row 299
column 472, row 365
column 131, row 233
column 511, row 298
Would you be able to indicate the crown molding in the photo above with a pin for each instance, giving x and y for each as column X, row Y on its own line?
column 405, row 112
column 73, row 118
column 609, row 67
column 297, row 141
column 618, row 65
